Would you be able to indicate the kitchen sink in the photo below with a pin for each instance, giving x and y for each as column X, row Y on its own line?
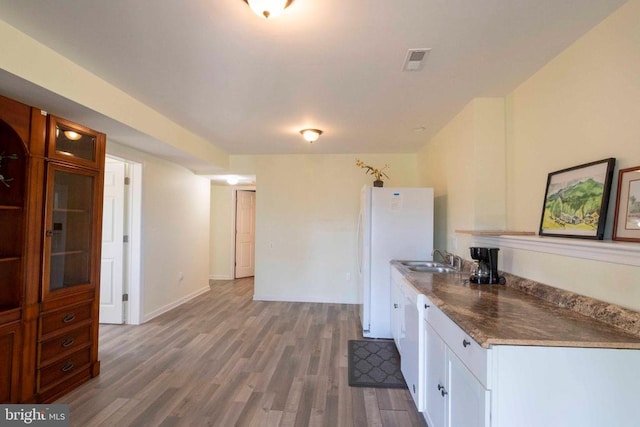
column 422, row 264
column 432, row 269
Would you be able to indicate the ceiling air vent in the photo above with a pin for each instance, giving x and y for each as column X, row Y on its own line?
column 415, row 59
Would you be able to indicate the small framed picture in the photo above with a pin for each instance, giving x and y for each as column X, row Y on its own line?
column 576, row 200
column 626, row 226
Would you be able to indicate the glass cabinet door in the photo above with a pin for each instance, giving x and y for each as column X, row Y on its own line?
column 71, row 143
column 69, row 227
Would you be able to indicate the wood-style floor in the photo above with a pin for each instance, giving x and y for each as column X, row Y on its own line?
column 223, row 359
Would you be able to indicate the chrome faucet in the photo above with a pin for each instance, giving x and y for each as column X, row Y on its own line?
column 439, row 252
column 448, row 258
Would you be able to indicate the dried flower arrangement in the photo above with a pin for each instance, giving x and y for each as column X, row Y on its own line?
column 378, row 173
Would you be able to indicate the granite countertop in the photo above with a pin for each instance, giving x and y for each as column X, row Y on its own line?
column 526, row 313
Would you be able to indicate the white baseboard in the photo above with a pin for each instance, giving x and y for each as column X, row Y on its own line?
column 174, row 304
column 220, row 277
column 300, row 298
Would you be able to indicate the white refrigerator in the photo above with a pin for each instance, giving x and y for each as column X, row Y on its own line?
column 394, row 223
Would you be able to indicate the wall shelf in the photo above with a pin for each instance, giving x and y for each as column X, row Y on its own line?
column 496, row 232
column 597, row 250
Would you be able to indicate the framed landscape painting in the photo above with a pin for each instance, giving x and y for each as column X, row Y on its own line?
column 626, row 226
column 576, row 200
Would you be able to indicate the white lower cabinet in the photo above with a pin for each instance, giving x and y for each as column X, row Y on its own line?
column 466, row 385
column 435, row 378
column 453, row 396
column 469, row 402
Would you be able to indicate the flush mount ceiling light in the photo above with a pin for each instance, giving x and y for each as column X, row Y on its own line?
column 268, row 8
column 311, row 135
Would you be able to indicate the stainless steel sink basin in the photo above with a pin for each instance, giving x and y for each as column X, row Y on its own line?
column 422, row 264
column 433, row 269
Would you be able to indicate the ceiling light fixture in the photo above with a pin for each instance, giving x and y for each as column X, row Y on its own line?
column 232, row 180
column 311, row 135
column 268, row 8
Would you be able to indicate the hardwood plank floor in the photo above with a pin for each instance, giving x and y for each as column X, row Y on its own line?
column 223, row 359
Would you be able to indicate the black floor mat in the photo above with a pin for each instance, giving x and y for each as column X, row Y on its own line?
column 374, row 363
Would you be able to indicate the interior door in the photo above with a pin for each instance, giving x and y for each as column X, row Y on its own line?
column 245, row 233
column 111, row 310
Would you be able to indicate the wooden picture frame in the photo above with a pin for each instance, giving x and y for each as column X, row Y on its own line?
column 576, row 201
column 626, row 224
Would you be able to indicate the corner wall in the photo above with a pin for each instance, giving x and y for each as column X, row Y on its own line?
column 175, row 231
column 580, row 107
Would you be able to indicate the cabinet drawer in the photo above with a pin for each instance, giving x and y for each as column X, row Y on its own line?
column 470, row 353
column 64, row 343
column 65, row 368
column 65, row 318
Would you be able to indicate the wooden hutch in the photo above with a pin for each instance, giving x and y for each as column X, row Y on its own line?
column 51, row 184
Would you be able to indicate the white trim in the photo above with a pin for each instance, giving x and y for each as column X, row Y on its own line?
column 597, row 250
column 135, row 303
column 176, row 303
column 134, row 315
column 233, row 233
column 220, row 277
column 300, row 298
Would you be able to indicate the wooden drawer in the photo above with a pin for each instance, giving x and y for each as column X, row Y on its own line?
column 65, row 318
column 65, row 343
column 65, row 368
column 470, row 353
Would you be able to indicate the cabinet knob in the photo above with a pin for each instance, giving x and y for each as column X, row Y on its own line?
column 442, row 390
column 395, row 305
column 67, row 367
column 465, row 343
column 69, row 318
column 49, row 233
column 427, row 306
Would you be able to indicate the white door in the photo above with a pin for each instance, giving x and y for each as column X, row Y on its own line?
column 245, row 233
column 112, row 244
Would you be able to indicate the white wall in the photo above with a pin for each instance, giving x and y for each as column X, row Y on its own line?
column 222, row 232
column 306, row 218
column 175, row 231
column 465, row 164
column 582, row 106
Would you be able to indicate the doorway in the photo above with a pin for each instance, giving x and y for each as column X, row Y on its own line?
column 120, row 272
column 245, row 233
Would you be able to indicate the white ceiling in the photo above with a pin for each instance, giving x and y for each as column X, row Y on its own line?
column 248, row 85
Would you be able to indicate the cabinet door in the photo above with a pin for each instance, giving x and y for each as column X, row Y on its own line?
column 396, row 312
column 435, row 401
column 410, row 343
column 10, row 350
column 72, row 228
column 71, row 143
column 468, row 399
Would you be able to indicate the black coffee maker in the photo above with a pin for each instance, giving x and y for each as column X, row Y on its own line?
column 485, row 271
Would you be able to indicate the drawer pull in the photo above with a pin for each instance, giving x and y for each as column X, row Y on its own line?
column 67, row 367
column 69, row 318
column 69, row 341
column 465, row 343
column 395, row 305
